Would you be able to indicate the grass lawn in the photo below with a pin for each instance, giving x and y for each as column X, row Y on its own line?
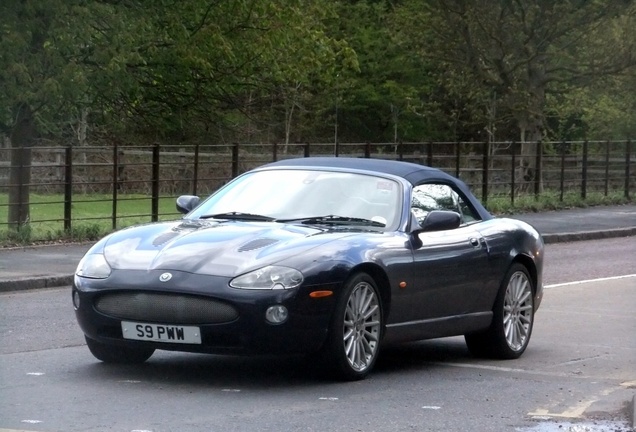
column 91, row 216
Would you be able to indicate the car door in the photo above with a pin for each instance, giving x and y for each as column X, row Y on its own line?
column 450, row 267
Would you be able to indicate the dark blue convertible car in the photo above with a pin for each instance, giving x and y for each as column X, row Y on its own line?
column 332, row 257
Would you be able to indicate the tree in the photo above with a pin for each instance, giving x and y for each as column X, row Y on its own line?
column 40, row 82
column 521, row 50
column 158, row 68
column 201, row 66
column 380, row 100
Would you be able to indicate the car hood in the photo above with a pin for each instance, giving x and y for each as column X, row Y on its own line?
column 220, row 248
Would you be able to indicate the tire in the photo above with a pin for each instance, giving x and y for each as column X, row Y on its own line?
column 353, row 342
column 513, row 318
column 118, row 354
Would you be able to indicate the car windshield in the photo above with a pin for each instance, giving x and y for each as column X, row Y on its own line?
column 306, row 196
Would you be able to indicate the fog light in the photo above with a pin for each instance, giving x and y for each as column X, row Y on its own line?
column 276, row 314
column 76, row 300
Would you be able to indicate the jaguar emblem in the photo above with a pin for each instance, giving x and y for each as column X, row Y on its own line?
column 165, row 277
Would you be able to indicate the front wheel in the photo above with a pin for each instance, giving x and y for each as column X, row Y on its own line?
column 513, row 318
column 118, row 354
column 353, row 343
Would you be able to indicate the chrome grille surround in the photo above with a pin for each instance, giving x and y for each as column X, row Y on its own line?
column 165, row 308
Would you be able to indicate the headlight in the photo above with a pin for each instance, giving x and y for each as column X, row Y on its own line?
column 270, row 277
column 93, row 266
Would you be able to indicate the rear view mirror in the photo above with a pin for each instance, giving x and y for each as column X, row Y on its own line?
column 440, row 220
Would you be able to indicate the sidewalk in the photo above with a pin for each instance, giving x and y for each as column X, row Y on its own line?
column 53, row 266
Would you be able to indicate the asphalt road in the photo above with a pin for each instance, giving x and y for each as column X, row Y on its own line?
column 579, row 367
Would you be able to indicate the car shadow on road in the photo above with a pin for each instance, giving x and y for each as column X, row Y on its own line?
column 415, row 355
column 234, row 372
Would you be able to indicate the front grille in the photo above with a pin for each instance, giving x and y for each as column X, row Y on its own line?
column 165, row 308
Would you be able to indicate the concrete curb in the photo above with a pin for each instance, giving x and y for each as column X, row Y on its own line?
column 588, row 235
column 35, row 283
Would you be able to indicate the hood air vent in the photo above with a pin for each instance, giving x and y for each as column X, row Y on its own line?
column 257, row 244
column 164, row 238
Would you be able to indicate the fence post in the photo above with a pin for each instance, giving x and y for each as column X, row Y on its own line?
column 235, row 159
column 562, row 173
column 274, row 152
column 115, row 185
column 68, row 187
column 307, row 150
column 607, row 162
column 367, row 150
column 400, row 149
column 154, row 201
column 195, row 170
column 121, row 171
column 485, row 173
column 584, row 173
column 628, row 146
column 429, row 154
column 513, row 173
column 538, row 171
column 458, row 155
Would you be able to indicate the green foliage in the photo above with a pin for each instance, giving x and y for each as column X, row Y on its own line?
column 500, row 60
column 40, row 67
column 383, row 99
column 296, row 70
column 22, row 236
column 551, row 200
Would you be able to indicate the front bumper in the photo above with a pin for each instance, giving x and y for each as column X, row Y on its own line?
column 245, row 332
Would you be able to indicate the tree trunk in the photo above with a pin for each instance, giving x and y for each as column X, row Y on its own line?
column 531, row 127
column 22, row 139
column 528, row 173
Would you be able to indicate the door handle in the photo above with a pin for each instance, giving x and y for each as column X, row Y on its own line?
column 479, row 243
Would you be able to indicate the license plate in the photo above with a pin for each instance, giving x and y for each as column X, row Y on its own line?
column 161, row 332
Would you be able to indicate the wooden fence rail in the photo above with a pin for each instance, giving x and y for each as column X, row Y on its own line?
column 490, row 169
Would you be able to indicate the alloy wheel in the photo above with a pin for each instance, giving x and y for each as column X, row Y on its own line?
column 518, row 310
column 361, row 329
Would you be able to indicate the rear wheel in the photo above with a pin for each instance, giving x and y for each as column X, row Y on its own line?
column 118, row 354
column 513, row 318
column 353, row 343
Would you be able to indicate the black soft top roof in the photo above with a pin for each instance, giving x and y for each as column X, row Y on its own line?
column 411, row 172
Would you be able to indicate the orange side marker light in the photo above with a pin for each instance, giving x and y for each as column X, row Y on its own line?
column 402, row 285
column 320, row 294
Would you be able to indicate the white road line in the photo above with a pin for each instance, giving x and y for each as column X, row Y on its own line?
column 545, row 373
column 14, row 430
column 589, row 280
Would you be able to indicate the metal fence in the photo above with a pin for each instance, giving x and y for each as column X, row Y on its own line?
column 78, row 174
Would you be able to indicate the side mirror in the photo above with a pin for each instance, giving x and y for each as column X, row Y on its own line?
column 185, row 203
column 439, row 220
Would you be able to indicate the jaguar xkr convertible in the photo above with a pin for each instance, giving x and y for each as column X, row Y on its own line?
column 330, row 257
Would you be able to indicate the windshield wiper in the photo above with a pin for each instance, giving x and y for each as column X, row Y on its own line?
column 238, row 216
column 335, row 220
